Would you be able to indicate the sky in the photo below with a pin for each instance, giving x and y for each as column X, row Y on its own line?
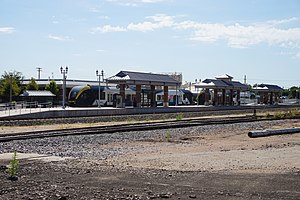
column 259, row 39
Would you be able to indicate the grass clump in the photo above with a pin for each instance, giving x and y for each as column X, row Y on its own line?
column 286, row 115
column 168, row 136
column 179, row 116
column 268, row 115
column 279, row 115
column 13, row 167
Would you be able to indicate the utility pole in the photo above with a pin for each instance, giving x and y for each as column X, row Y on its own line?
column 39, row 69
column 245, row 79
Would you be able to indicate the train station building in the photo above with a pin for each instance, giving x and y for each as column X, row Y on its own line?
column 124, row 79
column 222, row 90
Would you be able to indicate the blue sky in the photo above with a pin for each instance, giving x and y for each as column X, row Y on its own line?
column 200, row 38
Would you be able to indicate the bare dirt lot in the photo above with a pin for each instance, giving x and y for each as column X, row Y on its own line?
column 207, row 162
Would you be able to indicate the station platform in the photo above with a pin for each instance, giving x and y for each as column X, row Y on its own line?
column 11, row 113
column 59, row 112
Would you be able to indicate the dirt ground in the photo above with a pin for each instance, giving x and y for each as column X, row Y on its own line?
column 223, row 164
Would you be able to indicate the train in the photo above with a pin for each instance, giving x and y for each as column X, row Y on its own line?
column 88, row 96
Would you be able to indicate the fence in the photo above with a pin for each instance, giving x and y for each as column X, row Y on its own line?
column 15, row 108
column 248, row 101
column 289, row 101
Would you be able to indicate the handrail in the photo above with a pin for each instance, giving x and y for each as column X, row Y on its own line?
column 20, row 107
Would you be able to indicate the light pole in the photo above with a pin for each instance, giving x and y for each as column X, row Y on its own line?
column 10, row 87
column 99, row 89
column 64, row 72
column 176, row 103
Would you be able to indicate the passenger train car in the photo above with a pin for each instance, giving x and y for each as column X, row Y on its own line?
column 87, row 96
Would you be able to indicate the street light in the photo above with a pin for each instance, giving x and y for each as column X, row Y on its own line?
column 99, row 89
column 64, row 72
column 10, row 87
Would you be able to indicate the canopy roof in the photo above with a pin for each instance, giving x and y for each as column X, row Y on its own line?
column 224, row 76
column 37, row 93
column 59, row 82
column 267, row 88
column 221, row 84
column 141, row 78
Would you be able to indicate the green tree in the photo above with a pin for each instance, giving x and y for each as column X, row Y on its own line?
column 32, row 85
column 285, row 92
column 8, row 79
column 52, row 87
column 294, row 92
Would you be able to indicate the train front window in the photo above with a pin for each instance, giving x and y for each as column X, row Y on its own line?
column 73, row 95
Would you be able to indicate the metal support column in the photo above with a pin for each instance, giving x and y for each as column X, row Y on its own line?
column 138, row 95
column 206, row 97
column 166, row 96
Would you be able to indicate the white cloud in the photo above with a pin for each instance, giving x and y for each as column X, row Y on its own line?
column 236, row 35
column 160, row 21
column 7, row 30
column 151, row 1
column 104, row 17
column 109, row 29
column 100, row 50
column 134, row 3
column 54, row 20
column 157, row 21
column 297, row 55
column 241, row 36
column 94, row 10
column 283, row 21
column 59, row 38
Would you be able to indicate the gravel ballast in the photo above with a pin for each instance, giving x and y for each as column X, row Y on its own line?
column 204, row 162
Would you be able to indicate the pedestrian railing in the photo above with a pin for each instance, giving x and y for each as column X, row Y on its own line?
column 16, row 108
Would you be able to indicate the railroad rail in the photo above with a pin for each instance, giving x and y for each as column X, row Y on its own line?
column 127, row 127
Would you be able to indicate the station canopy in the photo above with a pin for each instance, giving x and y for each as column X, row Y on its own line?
column 37, row 93
column 141, row 78
column 222, row 82
column 267, row 88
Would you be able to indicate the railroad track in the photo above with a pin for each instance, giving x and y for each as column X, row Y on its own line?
column 137, row 117
column 125, row 128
